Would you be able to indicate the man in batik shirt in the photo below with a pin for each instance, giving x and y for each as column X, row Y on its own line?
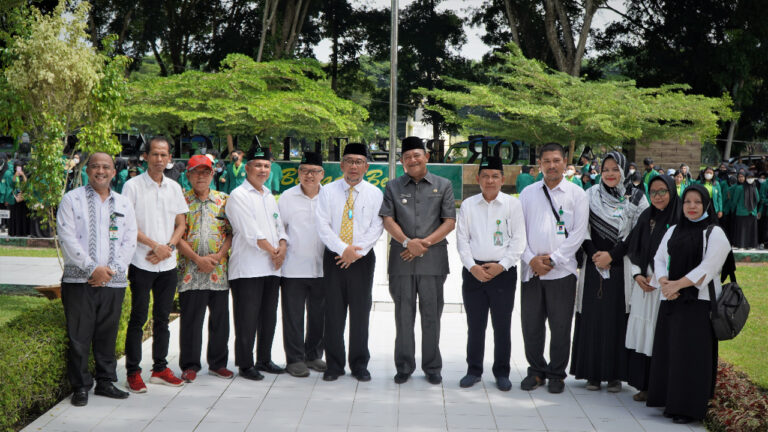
column 203, row 274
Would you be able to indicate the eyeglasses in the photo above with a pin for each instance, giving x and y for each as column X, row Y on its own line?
column 658, row 193
column 313, row 172
column 356, row 162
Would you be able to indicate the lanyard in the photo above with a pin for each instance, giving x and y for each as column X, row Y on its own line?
column 554, row 212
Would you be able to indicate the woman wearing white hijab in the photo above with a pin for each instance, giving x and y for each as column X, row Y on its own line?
column 605, row 280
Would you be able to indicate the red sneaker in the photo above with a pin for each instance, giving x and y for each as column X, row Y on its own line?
column 135, row 383
column 221, row 373
column 165, row 377
column 189, row 375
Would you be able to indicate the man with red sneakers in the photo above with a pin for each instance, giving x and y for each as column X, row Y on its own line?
column 203, row 274
column 160, row 216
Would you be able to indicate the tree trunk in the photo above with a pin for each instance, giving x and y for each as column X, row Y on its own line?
column 567, row 54
column 267, row 21
column 512, row 20
column 230, row 146
column 571, row 150
column 160, row 62
column 729, row 141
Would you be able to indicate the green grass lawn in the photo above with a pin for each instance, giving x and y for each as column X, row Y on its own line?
column 749, row 350
column 27, row 252
column 12, row 305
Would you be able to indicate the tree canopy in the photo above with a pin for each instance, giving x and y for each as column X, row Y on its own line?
column 276, row 98
column 527, row 100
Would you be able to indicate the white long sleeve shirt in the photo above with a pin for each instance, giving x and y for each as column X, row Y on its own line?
column 254, row 216
column 304, row 257
column 367, row 224
column 156, row 207
column 73, row 225
column 710, row 267
column 477, row 224
column 541, row 227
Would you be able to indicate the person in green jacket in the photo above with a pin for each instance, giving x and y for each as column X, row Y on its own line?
column 650, row 172
column 524, row 179
column 234, row 175
column 570, row 175
column 710, row 183
column 679, row 182
column 746, row 203
column 275, row 177
column 762, row 225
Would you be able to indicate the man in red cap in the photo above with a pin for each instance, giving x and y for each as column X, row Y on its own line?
column 203, row 274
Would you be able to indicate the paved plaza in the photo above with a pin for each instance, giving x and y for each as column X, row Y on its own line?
column 285, row 403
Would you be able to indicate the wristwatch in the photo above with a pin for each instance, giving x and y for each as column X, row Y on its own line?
column 405, row 243
column 551, row 263
column 172, row 246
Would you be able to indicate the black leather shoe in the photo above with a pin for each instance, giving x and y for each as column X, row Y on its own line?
column 434, row 378
column 362, row 376
column 80, row 397
column 330, row 376
column 503, row 383
column 401, row 377
column 270, row 367
column 251, row 374
column 468, row 381
column 109, row 390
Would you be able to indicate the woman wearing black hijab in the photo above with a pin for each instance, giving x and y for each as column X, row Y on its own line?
column 684, row 363
column 605, row 280
column 653, row 223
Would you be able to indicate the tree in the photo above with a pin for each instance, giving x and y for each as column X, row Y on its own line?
column 276, row 98
column 565, row 25
column 58, row 84
column 527, row 100
column 715, row 46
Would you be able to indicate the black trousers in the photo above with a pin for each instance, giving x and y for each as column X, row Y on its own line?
column 542, row 301
column 348, row 288
column 498, row 297
column 162, row 285
column 299, row 294
column 254, row 306
column 93, row 316
column 193, row 305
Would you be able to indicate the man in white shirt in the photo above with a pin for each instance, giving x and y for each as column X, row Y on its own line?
column 556, row 215
column 302, row 281
column 348, row 223
column 160, row 216
column 97, row 231
column 258, row 251
column 490, row 237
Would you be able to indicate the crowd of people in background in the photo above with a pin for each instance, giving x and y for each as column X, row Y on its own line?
column 14, row 173
column 738, row 191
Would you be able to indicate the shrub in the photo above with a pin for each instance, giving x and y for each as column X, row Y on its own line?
column 34, row 347
column 738, row 405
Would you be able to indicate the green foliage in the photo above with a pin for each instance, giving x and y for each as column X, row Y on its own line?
column 13, row 305
column 245, row 97
column 56, row 85
column 34, row 345
column 529, row 101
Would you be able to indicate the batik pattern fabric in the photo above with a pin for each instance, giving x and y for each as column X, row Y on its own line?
column 207, row 229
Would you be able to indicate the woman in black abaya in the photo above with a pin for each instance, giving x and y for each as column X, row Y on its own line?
column 665, row 211
column 605, row 280
column 684, row 363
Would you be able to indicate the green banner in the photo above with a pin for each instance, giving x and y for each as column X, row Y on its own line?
column 377, row 175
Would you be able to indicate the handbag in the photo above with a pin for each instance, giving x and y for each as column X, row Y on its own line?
column 729, row 312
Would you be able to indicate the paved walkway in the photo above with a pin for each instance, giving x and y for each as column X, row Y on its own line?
column 284, row 403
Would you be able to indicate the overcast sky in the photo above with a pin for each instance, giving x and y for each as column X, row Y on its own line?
column 474, row 48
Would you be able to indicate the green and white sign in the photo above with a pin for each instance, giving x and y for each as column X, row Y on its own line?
column 377, row 174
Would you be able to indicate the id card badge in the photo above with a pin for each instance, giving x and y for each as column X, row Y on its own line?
column 618, row 211
column 561, row 228
column 113, row 232
column 498, row 237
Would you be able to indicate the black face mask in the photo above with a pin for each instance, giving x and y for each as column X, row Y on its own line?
column 235, row 158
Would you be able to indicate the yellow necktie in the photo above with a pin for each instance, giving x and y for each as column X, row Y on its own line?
column 347, row 218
